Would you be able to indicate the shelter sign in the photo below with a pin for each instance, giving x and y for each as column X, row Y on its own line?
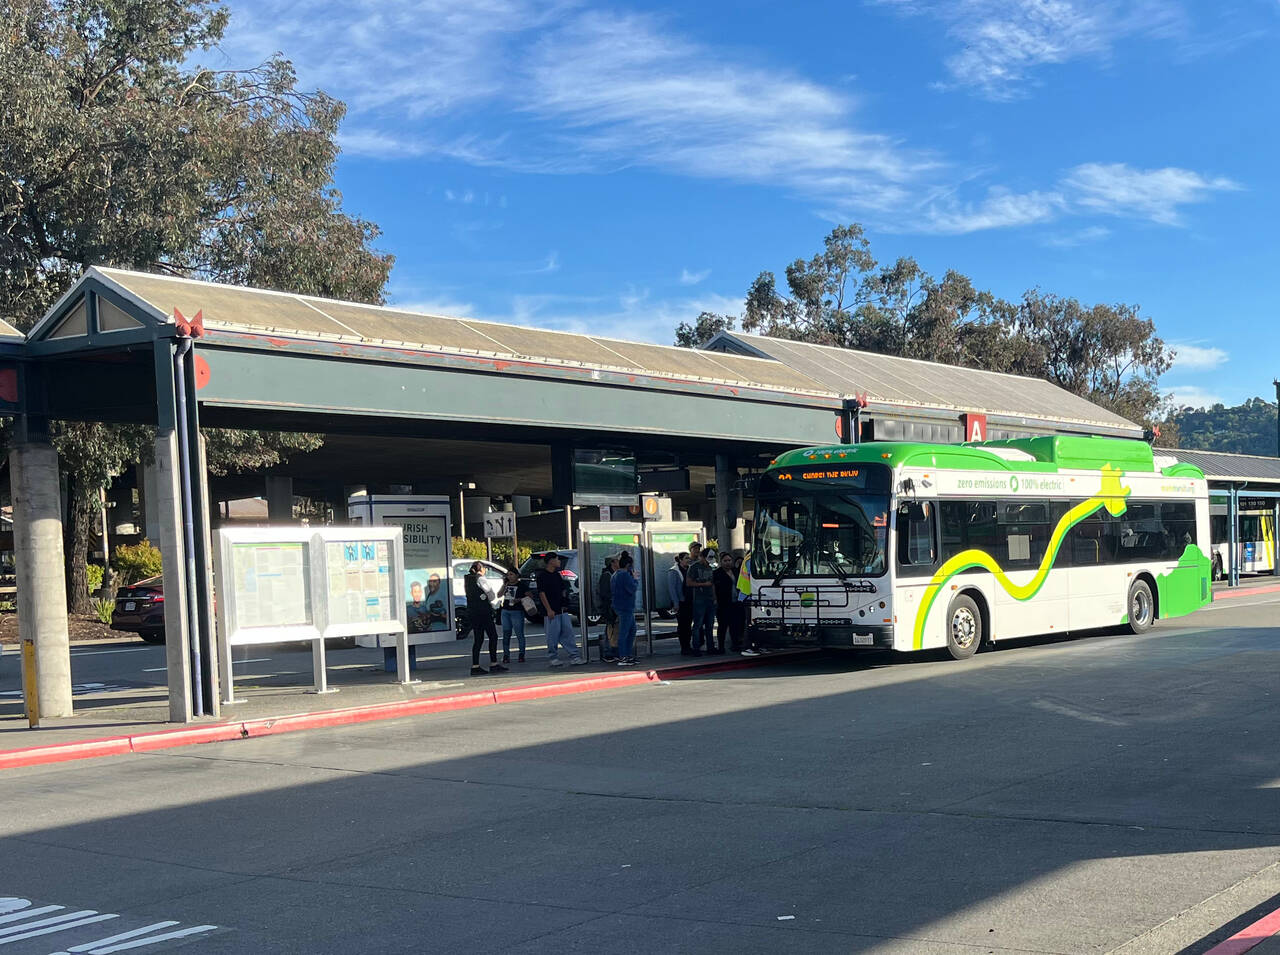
column 359, row 581
column 666, row 540
column 278, row 584
column 272, row 583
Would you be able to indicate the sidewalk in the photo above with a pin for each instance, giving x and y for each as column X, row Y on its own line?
column 364, row 693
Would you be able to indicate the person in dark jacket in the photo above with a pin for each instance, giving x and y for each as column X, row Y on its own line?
column 480, row 613
column 724, row 582
column 604, row 605
column 681, row 601
column 624, row 585
column 514, row 590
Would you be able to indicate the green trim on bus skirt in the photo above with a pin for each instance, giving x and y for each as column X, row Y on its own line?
column 1111, row 495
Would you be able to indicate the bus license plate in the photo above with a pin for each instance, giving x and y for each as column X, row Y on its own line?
column 864, row 639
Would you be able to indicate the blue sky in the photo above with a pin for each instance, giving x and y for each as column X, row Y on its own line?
column 620, row 168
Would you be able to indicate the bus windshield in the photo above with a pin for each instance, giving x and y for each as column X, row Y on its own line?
column 811, row 526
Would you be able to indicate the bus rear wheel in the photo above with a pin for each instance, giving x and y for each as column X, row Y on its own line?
column 964, row 627
column 1142, row 607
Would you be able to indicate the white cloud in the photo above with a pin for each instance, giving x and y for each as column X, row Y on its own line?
column 1191, row 357
column 1069, row 240
column 572, row 90
column 1192, row 396
column 550, row 264
column 549, row 86
column 693, row 278
column 1155, row 194
column 1000, row 209
column 1002, row 42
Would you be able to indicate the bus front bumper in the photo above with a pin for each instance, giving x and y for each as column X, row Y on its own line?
column 836, row 636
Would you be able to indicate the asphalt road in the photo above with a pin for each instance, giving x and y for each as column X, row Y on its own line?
column 1089, row 795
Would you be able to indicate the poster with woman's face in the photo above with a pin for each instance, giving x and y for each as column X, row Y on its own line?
column 426, row 575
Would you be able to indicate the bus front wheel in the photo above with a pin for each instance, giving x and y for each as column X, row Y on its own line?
column 964, row 627
column 1141, row 607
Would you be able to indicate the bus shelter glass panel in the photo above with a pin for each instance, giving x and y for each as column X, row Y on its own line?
column 666, row 542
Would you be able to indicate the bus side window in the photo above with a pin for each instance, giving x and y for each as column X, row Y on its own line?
column 916, row 539
column 1178, row 519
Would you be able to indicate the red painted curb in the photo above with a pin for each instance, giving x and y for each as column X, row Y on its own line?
column 271, row 726
column 164, row 739
column 1246, row 939
column 62, row 752
column 1246, row 592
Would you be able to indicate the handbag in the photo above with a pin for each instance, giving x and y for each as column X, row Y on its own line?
column 530, row 608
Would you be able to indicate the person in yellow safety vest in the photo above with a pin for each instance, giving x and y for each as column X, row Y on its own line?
column 738, row 618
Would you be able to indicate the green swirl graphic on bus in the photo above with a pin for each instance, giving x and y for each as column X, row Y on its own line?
column 1111, row 495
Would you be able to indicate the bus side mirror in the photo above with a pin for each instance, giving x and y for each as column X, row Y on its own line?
column 913, row 511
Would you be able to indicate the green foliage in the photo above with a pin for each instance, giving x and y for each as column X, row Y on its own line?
column 466, row 548
column 103, row 608
column 705, row 327
column 135, row 562
column 118, row 147
column 93, row 574
column 8, row 606
column 1248, row 428
column 843, row 297
column 229, row 451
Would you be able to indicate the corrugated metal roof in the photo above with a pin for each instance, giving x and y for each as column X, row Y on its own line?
column 1222, row 466
column 908, row 381
column 256, row 310
column 8, row 331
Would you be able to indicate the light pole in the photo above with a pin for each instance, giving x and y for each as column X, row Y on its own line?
column 1276, row 382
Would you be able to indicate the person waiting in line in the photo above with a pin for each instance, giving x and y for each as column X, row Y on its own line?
column 704, row 602
column 738, row 608
column 624, row 585
column 724, row 582
column 513, row 593
column 604, row 604
column 553, row 597
column 681, row 600
column 480, row 613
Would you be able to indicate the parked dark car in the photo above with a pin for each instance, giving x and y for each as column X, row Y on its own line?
column 140, row 609
column 568, row 570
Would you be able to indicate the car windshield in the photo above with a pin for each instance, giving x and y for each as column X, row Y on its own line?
column 822, row 528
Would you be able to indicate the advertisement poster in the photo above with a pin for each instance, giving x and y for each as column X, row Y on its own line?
column 426, row 573
column 272, row 584
column 359, row 581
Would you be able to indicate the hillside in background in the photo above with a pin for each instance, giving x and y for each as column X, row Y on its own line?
column 1249, row 428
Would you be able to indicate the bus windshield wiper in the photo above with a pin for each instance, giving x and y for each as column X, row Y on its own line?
column 788, row 567
column 834, row 565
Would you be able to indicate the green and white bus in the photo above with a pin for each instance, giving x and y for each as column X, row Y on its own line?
column 917, row 546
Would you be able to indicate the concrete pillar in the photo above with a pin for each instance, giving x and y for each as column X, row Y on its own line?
column 728, row 500
column 279, row 499
column 177, row 632
column 42, row 586
column 150, row 512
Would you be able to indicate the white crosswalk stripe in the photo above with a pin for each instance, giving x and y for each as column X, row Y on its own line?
column 25, row 927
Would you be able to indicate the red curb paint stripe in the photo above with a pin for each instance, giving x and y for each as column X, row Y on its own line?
column 166, row 739
column 542, row 691
column 1245, row 592
column 1246, row 939
column 62, row 752
column 271, row 726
